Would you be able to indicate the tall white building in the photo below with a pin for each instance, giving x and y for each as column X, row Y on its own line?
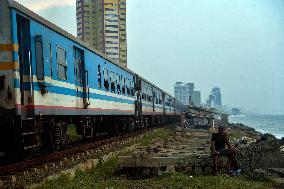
column 184, row 92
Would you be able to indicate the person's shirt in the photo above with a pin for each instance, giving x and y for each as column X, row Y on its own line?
column 220, row 140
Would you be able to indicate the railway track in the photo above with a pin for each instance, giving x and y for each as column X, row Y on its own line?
column 9, row 173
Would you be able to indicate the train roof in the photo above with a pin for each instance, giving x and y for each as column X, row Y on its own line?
column 29, row 13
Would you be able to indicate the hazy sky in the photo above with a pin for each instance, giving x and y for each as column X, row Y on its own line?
column 235, row 45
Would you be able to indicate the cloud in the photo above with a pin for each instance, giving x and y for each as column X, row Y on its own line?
column 38, row 5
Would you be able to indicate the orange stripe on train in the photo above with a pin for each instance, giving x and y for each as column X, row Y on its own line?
column 9, row 47
column 9, row 65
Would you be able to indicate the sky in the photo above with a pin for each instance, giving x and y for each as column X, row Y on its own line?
column 236, row 45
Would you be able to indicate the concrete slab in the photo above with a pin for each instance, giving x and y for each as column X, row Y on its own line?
column 278, row 171
column 129, row 161
column 198, row 171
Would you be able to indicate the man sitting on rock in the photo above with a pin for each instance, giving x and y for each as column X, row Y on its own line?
column 218, row 142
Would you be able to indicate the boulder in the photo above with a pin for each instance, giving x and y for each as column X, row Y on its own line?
column 261, row 154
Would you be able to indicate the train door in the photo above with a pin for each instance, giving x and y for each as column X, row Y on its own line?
column 153, row 99
column 170, row 105
column 138, row 101
column 163, row 101
column 175, row 106
column 26, row 79
column 27, row 131
column 86, row 88
column 81, row 79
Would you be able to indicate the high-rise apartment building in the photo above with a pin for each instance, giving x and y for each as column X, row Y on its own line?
column 215, row 98
column 184, row 92
column 102, row 24
column 196, row 98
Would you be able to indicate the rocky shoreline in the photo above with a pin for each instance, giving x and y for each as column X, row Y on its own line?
column 257, row 150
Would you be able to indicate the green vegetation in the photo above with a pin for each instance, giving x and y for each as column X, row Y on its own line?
column 106, row 176
column 72, row 133
column 235, row 135
column 161, row 134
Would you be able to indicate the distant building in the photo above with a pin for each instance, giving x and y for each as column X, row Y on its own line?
column 236, row 111
column 215, row 98
column 184, row 92
column 102, row 24
column 196, row 98
column 210, row 101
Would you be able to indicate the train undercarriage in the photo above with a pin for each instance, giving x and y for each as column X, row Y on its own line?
column 23, row 138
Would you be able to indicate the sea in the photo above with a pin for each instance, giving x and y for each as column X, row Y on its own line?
column 272, row 124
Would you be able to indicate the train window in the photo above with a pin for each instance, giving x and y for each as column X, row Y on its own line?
column 123, row 85
column 61, row 63
column 112, row 81
column 50, row 59
column 2, row 82
column 78, row 58
column 118, row 83
column 39, row 57
column 157, row 101
column 106, row 83
column 99, row 77
column 132, row 88
column 127, row 86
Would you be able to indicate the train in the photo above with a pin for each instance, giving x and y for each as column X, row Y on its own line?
column 50, row 79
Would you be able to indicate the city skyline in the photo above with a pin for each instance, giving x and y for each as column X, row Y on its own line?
column 237, row 46
column 185, row 93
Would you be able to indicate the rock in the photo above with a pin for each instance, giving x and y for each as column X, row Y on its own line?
column 188, row 170
column 170, row 169
column 146, row 172
column 260, row 172
column 277, row 171
column 208, row 171
column 282, row 141
column 198, row 171
column 268, row 137
column 263, row 154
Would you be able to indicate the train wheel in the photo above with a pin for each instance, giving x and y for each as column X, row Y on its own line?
column 146, row 122
column 27, row 154
column 131, row 125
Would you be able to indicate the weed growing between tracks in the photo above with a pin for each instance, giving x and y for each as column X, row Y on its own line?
column 159, row 134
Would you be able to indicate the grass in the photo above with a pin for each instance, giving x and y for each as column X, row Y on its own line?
column 105, row 176
column 72, row 133
column 235, row 135
column 161, row 134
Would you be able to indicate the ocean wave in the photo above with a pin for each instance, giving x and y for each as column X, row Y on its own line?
column 277, row 135
column 242, row 115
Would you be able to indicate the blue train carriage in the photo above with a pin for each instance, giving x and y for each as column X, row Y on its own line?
column 152, row 103
column 159, row 104
column 49, row 79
